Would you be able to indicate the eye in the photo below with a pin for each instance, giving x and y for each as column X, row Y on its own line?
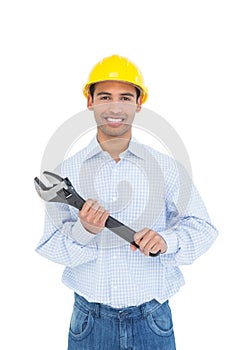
column 126, row 98
column 105, row 98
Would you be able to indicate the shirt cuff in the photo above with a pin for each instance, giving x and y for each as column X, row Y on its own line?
column 80, row 235
column 171, row 239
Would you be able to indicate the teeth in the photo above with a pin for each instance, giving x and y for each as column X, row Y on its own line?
column 114, row 120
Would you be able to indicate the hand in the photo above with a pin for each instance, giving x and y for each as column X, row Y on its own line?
column 93, row 216
column 149, row 241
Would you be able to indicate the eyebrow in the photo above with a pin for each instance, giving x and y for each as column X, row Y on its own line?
column 109, row 94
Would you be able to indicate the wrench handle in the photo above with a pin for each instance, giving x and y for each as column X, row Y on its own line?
column 125, row 232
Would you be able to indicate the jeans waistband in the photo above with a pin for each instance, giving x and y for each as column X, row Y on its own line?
column 140, row 311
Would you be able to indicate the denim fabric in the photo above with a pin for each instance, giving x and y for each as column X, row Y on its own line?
column 96, row 326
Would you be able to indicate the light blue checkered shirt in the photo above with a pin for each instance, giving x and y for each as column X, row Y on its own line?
column 144, row 189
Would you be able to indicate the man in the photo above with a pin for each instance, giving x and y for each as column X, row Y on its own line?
column 121, row 292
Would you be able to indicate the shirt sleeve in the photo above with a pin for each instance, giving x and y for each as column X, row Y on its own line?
column 189, row 232
column 65, row 241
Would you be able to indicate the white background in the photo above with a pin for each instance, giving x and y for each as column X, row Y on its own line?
column 184, row 49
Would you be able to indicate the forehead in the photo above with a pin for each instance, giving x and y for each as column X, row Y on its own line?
column 114, row 87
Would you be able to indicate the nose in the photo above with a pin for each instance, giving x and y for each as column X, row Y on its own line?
column 115, row 107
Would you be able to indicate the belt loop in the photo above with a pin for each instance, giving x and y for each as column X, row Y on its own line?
column 97, row 310
column 143, row 311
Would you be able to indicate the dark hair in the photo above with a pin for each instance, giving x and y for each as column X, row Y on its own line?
column 92, row 89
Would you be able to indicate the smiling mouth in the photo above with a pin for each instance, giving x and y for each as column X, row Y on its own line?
column 114, row 120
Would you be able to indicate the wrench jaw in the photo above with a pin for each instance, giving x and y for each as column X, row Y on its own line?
column 54, row 193
column 52, row 178
column 39, row 186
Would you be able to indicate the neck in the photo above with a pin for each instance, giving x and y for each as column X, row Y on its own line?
column 114, row 145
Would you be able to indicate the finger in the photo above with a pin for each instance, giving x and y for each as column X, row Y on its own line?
column 90, row 210
column 139, row 235
column 156, row 245
column 96, row 207
column 147, row 239
column 87, row 206
column 99, row 214
column 105, row 215
column 151, row 247
column 104, row 218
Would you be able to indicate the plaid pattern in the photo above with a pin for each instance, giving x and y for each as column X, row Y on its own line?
column 145, row 189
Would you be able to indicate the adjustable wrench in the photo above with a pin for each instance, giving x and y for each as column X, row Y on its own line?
column 63, row 191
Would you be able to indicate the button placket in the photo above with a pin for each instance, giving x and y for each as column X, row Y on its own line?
column 114, row 180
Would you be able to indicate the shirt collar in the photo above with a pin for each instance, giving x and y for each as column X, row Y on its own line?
column 135, row 148
column 93, row 148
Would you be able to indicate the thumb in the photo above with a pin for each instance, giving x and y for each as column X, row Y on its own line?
column 133, row 248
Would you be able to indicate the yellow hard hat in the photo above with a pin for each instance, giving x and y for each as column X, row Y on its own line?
column 117, row 68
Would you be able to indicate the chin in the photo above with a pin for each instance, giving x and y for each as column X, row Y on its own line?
column 115, row 131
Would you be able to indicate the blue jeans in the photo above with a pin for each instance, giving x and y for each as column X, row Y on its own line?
column 96, row 326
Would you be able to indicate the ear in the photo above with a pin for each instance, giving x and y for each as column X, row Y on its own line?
column 89, row 103
column 139, row 104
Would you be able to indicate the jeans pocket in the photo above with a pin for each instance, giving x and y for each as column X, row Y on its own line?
column 160, row 320
column 81, row 323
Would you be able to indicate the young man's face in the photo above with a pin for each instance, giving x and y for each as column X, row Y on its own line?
column 114, row 105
